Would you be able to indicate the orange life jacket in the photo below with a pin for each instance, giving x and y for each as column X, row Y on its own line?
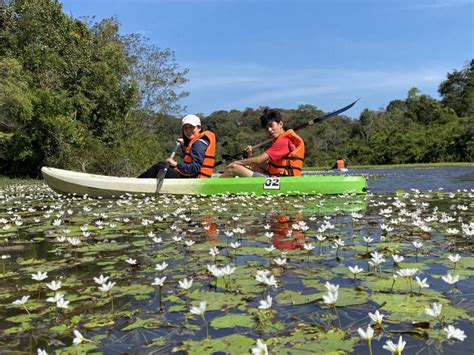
column 209, row 156
column 340, row 164
column 292, row 164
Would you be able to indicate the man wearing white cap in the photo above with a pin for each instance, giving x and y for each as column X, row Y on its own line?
column 198, row 150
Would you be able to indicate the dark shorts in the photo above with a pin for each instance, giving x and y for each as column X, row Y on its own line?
column 255, row 174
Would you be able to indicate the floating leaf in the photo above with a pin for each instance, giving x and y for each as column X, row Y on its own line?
column 232, row 321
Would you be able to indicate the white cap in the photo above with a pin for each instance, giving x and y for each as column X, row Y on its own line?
column 193, row 120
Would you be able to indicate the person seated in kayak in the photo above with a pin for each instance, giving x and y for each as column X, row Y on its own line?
column 339, row 164
column 198, row 150
column 283, row 158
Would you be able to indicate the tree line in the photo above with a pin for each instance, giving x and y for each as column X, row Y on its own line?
column 76, row 94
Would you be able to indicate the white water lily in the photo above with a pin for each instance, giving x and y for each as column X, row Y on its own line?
column 162, row 266
column 62, row 303
column 39, row 276
column 177, row 238
column 454, row 258
column 214, row 252
column 270, row 281
column 270, row 248
column 57, row 296
column 269, row 235
column 159, row 281
column 101, row 279
column 338, row 243
column 450, row 279
column 331, row 287
column 422, row 283
column 434, row 310
column 377, row 259
column 41, row 352
column 368, row 240
column 397, row 258
column 107, row 286
column 280, row 261
column 355, row 269
column 320, row 238
column 366, row 335
column 199, row 311
column 235, row 245
column 74, row 241
column 189, row 243
column 330, row 298
column 21, row 301
column 54, row 285
column 214, row 270
column 131, row 261
column 456, row 333
column 308, row 246
column 239, row 230
column 417, row 245
column 228, row 233
column 78, row 338
column 452, row 231
column 261, row 274
column 266, row 304
column 157, row 240
column 260, row 349
column 395, row 348
column 185, row 284
column 228, row 270
column 377, row 317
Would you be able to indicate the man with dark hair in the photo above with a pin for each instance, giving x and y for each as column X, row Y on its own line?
column 284, row 157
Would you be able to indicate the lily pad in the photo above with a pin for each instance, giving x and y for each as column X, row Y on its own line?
column 313, row 340
column 233, row 320
column 231, row 344
column 149, row 323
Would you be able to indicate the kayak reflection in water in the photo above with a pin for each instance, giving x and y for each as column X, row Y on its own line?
column 198, row 149
column 284, row 157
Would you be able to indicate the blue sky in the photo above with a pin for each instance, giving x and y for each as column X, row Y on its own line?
column 283, row 53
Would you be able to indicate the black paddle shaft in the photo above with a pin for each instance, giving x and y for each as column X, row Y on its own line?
column 162, row 173
column 304, row 125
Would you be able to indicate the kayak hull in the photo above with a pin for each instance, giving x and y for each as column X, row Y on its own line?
column 71, row 182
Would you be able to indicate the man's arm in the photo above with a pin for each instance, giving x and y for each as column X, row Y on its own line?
column 254, row 161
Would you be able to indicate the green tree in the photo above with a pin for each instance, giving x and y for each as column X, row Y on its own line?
column 158, row 75
column 457, row 91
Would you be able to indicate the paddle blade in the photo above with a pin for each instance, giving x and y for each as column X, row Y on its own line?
column 160, row 177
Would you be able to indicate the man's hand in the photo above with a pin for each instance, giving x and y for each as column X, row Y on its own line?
column 171, row 162
column 248, row 151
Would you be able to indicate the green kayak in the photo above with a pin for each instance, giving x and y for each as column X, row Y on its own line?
column 71, row 182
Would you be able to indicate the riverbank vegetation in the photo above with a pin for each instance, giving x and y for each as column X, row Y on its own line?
column 77, row 94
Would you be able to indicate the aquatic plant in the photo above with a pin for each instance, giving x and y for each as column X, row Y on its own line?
column 301, row 300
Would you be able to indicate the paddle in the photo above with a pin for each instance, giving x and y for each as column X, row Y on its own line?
column 311, row 122
column 162, row 173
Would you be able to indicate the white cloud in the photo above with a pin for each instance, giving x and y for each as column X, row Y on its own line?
column 240, row 86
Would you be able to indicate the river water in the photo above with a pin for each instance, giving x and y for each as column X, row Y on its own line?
column 38, row 229
column 449, row 179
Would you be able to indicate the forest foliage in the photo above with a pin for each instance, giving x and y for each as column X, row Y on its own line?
column 76, row 94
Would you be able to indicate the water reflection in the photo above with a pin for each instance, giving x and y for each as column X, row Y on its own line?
column 287, row 232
